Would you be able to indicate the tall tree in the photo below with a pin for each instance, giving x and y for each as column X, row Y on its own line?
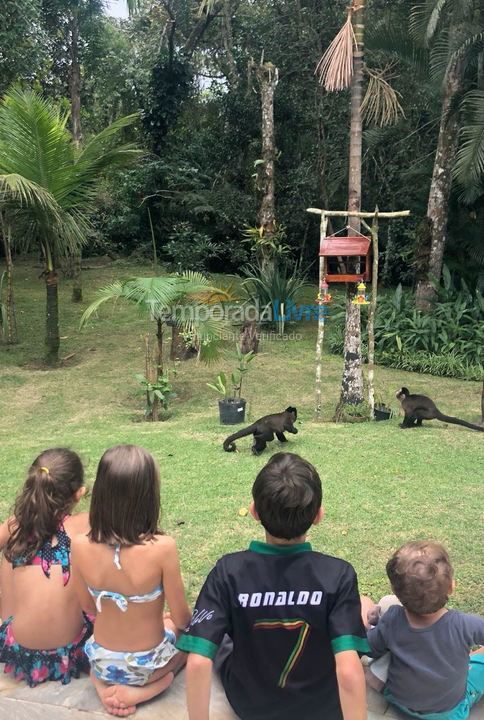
column 442, row 25
column 352, row 380
column 37, row 153
column 21, row 41
column 268, row 77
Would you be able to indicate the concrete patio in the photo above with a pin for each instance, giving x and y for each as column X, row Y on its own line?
column 78, row 701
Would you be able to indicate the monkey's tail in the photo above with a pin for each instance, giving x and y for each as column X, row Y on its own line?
column 457, row 421
column 229, row 444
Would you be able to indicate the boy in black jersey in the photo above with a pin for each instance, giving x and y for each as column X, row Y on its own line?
column 293, row 614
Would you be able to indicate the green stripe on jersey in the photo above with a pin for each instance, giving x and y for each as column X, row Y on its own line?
column 267, row 549
column 198, row 645
column 350, row 642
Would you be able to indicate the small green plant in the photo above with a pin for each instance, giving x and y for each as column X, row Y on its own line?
column 232, row 387
column 160, row 390
column 356, row 413
column 263, row 244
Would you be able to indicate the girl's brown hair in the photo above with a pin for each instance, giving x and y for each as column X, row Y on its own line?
column 125, row 505
column 47, row 497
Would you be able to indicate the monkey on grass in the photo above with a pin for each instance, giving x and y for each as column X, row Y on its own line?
column 264, row 430
column 420, row 407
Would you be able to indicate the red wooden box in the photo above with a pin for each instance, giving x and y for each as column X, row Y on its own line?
column 341, row 257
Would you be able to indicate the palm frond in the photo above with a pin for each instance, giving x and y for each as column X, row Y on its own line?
column 440, row 56
column 110, row 292
column 335, row 69
column 391, row 36
column 425, row 19
column 380, row 105
column 42, row 174
column 469, row 165
column 17, row 187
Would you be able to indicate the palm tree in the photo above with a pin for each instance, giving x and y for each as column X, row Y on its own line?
column 51, row 185
column 445, row 27
column 177, row 300
column 174, row 299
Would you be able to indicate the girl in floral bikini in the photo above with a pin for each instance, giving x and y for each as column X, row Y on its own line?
column 38, row 603
column 125, row 568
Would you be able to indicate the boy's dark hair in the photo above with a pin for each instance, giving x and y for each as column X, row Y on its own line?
column 125, row 505
column 287, row 495
column 46, row 498
column 421, row 576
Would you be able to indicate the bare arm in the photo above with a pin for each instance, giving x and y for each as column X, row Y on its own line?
column 173, row 585
column 199, row 680
column 5, row 532
column 80, row 586
column 351, row 685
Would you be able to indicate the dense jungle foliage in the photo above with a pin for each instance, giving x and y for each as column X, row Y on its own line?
column 200, row 124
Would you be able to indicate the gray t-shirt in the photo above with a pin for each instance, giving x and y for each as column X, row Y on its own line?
column 428, row 666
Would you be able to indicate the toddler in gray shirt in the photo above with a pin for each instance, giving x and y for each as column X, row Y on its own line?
column 430, row 674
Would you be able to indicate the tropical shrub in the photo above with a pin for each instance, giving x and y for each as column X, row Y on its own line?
column 273, row 286
column 188, row 249
column 447, row 342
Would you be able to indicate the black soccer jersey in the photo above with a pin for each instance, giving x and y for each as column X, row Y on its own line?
column 288, row 610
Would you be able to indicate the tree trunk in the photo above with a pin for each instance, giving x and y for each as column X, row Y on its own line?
column 371, row 316
column 321, row 318
column 228, row 41
column 52, row 340
column 438, row 204
column 352, row 382
column 75, row 93
column 75, row 77
column 76, row 261
column 11, row 329
column 179, row 349
column 268, row 76
column 159, row 355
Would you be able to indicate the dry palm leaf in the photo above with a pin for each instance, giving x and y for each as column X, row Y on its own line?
column 335, row 69
column 380, row 105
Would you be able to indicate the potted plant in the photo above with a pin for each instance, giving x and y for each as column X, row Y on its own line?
column 382, row 411
column 232, row 405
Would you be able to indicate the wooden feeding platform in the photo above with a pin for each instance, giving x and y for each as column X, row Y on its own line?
column 346, row 259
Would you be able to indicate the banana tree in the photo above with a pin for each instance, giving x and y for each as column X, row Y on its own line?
column 51, row 185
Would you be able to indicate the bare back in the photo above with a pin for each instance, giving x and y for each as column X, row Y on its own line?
column 143, row 569
column 46, row 611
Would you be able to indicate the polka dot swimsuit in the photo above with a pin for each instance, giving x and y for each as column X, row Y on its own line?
column 48, row 555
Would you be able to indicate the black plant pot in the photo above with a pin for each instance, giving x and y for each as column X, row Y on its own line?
column 382, row 412
column 232, row 411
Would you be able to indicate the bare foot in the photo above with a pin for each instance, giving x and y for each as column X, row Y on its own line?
column 128, row 696
column 112, row 703
column 108, row 697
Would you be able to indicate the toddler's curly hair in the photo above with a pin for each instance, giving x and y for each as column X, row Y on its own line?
column 421, row 576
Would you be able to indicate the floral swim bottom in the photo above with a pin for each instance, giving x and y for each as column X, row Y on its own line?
column 37, row 666
column 130, row 668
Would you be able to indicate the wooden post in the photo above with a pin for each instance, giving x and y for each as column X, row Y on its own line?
column 319, row 344
column 371, row 316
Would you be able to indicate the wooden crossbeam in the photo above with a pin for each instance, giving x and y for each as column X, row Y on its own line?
column 347, row 213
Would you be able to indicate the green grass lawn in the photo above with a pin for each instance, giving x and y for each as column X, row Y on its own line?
column 382, row 486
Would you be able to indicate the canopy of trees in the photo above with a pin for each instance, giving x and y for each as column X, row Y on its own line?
column 189, row 70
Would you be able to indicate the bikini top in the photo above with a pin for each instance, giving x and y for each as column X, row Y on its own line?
column 123, row 600
column 47, row 555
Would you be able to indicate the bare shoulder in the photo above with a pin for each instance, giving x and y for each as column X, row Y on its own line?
column 164, row 545
column 80, row 542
